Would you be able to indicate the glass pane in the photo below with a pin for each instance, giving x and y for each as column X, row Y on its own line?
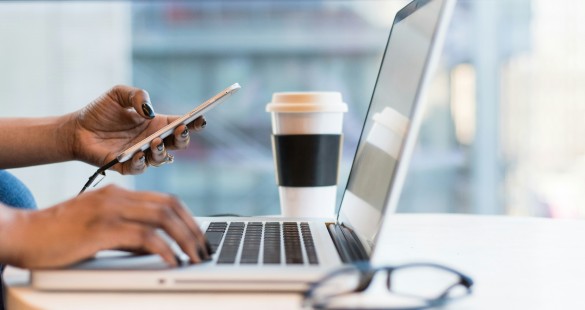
column 184, row 52
column 502, row 132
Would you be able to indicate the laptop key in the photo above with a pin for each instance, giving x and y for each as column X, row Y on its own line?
column 214, row 233
column 231, row 243
column 309, row 244
column 292, row 244
column 214, row 238
column 252, row 239
column 272, row 236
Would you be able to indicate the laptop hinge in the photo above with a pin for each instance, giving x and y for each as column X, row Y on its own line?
column 348, row 244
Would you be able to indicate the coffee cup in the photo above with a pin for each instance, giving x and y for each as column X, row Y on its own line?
column 307, row 144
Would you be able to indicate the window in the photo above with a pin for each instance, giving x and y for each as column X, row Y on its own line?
column 502, row 132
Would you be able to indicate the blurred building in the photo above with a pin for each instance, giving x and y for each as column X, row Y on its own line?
column 55, row 58
column 185, row 52
column 502, row 132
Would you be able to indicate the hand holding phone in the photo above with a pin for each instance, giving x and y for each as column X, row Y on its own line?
column 185, row 119
column 162, row 133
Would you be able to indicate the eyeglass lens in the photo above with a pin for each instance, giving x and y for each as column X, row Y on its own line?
column 423, row 282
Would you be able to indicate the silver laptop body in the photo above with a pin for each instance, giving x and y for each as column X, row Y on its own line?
column 262, row 257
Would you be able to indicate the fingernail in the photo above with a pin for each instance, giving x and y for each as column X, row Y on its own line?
column 208, row 246
column 160, row 147
column 204, row 124
column 142, row 159
column 147, row 109
column 185, row 133
column 202, row 254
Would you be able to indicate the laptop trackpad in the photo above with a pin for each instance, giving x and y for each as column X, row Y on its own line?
column 120, row 260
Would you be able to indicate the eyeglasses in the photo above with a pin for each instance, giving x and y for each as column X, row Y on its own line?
column 412, row 286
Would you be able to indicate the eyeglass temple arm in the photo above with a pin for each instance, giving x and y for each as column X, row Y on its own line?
column 102, row 171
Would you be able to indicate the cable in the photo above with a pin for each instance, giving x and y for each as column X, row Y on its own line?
column 100, row 171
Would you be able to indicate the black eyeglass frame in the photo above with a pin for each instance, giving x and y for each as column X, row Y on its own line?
column 367, row 273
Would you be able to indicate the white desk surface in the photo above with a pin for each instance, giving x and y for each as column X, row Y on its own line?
column 516, row 263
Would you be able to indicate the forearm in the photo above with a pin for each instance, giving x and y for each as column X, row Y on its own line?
column 35, row 141
column 8, row 217
column 25, row 235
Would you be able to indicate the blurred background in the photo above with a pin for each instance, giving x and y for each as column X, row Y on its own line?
column 504, row 131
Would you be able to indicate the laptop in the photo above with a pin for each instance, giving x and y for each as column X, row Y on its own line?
column 287, row 254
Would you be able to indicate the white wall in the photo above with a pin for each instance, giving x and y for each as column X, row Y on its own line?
column 56, row 58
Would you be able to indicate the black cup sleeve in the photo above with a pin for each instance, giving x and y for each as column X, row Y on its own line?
column 307, row 160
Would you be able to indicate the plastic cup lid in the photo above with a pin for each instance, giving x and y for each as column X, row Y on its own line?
column 299, row 102
column 392, row 120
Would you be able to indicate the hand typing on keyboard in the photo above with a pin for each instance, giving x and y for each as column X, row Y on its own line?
column 102, row 219
column 181, row 257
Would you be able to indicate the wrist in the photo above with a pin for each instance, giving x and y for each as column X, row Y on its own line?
column 36, row 141
column 66, row 132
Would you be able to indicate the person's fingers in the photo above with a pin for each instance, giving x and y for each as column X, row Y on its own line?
column 198, row 124
column 128, row 96
column 180, row 138
column 203, row 247
column 136, row 165
column 140, row 237
column 174, row 226
column 158, row 152
column 187, row 218
column 160, row 211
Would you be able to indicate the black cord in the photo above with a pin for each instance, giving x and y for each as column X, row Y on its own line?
column 102, row 171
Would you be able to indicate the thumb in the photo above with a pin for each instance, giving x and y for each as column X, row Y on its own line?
column 128, row 96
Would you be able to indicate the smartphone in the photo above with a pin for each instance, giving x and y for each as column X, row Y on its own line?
column 185, row 119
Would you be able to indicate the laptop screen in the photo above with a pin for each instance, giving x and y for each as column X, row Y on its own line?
column 388, row 122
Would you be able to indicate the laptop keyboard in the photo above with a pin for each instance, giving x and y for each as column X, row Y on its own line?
column 255, row 243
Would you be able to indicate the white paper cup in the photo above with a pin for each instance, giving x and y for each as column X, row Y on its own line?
column 306, row 143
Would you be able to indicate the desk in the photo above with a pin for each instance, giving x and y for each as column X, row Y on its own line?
column 517, row 263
